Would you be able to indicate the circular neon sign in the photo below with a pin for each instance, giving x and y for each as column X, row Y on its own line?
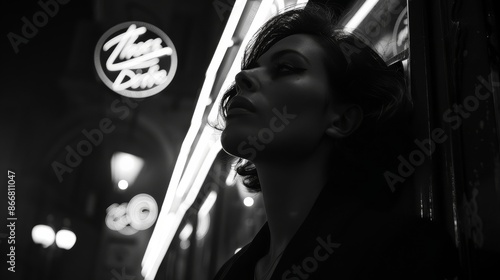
column 135, row 59
column 128, row 218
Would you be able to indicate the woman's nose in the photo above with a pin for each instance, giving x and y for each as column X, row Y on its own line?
column 246, row 81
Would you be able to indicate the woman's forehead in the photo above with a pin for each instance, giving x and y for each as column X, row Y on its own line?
column 305, row 44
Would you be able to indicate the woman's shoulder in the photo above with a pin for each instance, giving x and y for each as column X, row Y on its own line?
column 241, row 264
column 224, row 270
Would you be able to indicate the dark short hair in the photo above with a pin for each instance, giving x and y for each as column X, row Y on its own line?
column 358, row 75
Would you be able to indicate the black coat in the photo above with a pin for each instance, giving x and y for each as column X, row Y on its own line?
column 340, row 239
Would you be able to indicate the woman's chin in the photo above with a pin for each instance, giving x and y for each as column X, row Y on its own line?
column 229, row 145
column 238, row 148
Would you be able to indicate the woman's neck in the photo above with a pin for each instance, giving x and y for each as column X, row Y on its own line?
column 289, row 190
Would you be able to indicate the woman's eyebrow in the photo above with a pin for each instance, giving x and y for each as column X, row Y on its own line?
column 281, row 53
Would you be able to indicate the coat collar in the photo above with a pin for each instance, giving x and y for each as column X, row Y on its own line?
column 334, row 222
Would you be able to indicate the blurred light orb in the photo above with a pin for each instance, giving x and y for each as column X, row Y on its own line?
column 65, row 239
column 248, row 201
column 142, row 211
column 128, row 218
column 122, row 184
column 185, row 244
column 43, row 234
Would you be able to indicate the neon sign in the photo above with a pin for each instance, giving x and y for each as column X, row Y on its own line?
column 135, row 59
column 128, row 218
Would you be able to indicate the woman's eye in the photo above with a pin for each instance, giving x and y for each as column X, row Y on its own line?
column 287, row 68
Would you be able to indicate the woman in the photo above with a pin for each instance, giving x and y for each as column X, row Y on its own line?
column 317, row 118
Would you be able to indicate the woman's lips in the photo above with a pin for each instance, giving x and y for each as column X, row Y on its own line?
column 240, row 106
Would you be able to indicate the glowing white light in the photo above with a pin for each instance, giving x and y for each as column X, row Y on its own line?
column 301, row 3
column 248, row 201
column 125, row 166
column 116, row 216
column 361, row 14
column 65, row 239
column 185, row 244
column 202, row 227
column 186, row 232
column 128, row 218
column 154, row 253
column 184, row 236
column 123, row 184
column 237, row 250
column 126, row 53
column 43, row 234
column 128, row 230
column 208, row 204
column 169, row 51
column 231, row 177
column 278, row 6
column 204, row 217
column 143, row 211
column 196, row 161
column 215, row 148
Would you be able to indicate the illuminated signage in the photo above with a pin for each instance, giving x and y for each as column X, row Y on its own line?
column 135, row 59
column 128, row 218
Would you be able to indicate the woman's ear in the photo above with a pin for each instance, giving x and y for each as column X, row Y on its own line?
column 346, row 119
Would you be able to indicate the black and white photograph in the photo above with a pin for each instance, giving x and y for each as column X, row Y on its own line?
column 250, row 140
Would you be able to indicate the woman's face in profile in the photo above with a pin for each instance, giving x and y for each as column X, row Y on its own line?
column 283, row 103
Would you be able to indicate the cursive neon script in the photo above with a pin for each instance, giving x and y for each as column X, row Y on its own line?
column 136, row 56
